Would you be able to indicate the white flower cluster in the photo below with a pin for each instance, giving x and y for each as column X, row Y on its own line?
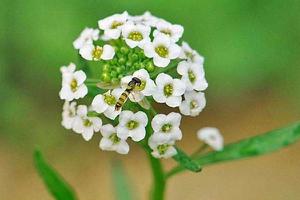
column 158, row 41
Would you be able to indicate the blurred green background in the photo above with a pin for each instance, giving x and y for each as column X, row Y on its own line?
column 252, row 65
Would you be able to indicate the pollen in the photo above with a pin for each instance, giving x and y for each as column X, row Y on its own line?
column 166, row 128
column 109, row 99
column 168, row 90
column 192, row 76
column 74, row 85
column 135, row 35
column 162, row 51
column 114, row 138
column 162, row 149
column 132, row 125
column 97, row 52
column 116, row 24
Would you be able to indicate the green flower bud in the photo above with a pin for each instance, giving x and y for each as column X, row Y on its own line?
column 113, row 74
column 105, row 77
column 124, row 50
column 105, row 68
column 122, row 60
column 150, row 67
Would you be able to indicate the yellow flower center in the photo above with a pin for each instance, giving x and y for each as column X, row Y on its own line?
column 162, row 51
column 97, row 52
column 193, row 104
column 166, row 128
column 167, row 32
column 73, row 85
column 162, row 148
column 135, row 35
column 141, row 86
column 109, row 99
column 114, row 138
column 115, row 24
column 192, row 76
column 168, row 90
column 132, row 124
column 87, row 123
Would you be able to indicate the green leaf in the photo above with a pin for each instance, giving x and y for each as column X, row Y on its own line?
column 254, row 146
column 186, row 162
column 120, row 181
column 54, row 182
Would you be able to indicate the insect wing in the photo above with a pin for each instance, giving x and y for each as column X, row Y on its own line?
column 107, row 86
column 145, row 103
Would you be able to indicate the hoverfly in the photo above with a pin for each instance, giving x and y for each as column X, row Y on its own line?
column 130, row 87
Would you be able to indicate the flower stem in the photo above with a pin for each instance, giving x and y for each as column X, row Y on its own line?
column 159, row 181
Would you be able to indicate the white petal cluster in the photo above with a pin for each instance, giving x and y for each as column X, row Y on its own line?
column 111, row 142
column 166, row 132
column 112, row 25
column 147, row 88
column 92, row 52
column 85, row 125
column 212, row 137
column 194, row 102
column 105, row 103
column 68, row 114
column 165, row 28
column 136, row 34
column 162, row 50
column 87, row 36
column 169, row 90
column 145, row 51
column 132, row 125
column 193, row 75
column 73, row 86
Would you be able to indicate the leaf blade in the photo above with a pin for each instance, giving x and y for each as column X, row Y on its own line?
column 53, row 181
column 186, row 162
column 122, row 187
column 257, row 145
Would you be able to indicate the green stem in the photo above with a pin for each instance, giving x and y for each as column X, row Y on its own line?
column 199, row 150
column 159, row 181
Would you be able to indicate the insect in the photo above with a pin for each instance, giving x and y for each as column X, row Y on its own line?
column 130, row 87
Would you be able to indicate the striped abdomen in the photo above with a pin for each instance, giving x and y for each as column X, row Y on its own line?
column 122, row 98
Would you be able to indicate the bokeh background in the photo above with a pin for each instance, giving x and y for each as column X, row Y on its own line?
column 252, row 50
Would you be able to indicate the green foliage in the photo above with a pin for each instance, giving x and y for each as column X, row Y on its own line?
column 185, row 161
column 254, row 146
column 54, row 182
column 121, row 185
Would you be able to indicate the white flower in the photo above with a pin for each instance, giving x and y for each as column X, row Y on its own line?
column 132, row 125
column 193, row 75
column 68, row 69
column 212, row 137
column 112, row 25
column 193, row 103
column 166, row 127
column 173, row 31
column 168, row 90
column 147, row 87
column 136, row 35
column 190, row 54
column 87, row 36
column 86, row 125
column 105, row 103
column 147, row 19
column 91, row 52
column 111, row 142
column 161, row 149
column 73, row 86
column 162, row 50
column 68, row 114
